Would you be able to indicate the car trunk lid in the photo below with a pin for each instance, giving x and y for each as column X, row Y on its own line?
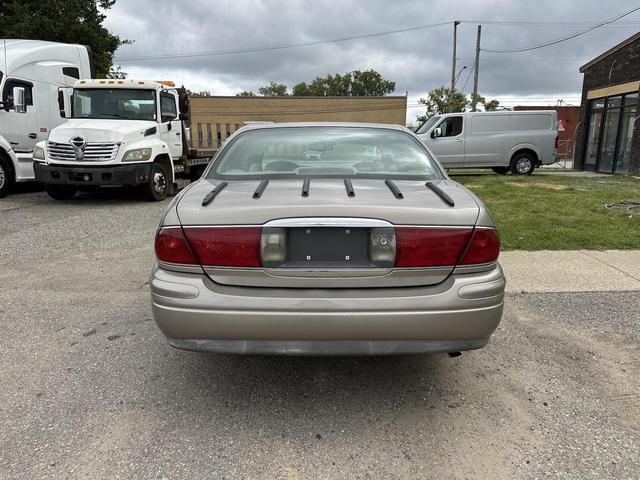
column 328, row 226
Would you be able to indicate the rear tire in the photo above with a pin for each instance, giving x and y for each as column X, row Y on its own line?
column 523, row 164
column 60, row 192
column 501, row 170
column 157, row 188
column 6, row 176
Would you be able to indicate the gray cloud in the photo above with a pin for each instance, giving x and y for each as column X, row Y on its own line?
column 417, row 61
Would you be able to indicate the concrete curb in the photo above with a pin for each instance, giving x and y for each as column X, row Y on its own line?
column 572, row 270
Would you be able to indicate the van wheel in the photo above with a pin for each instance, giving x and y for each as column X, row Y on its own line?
column 501, row 170
column 6, row 176
column 60, row 192
column 157, row 188
column 523, row 164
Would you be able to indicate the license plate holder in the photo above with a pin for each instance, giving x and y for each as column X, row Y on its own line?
column 328, row 247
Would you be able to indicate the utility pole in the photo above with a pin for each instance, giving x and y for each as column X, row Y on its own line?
column 474, row 95
column 453, row 65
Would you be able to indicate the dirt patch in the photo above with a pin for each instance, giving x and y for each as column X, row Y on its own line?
column 548, row 186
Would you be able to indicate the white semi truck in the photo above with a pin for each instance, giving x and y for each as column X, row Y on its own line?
column 120, row 133
column 35, row 83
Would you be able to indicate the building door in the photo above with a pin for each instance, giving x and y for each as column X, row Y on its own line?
column 609, row 135
column 627, row 124
column 593, row 140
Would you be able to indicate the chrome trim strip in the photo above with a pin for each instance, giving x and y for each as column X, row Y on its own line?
column 328, row 222
column 179, row 267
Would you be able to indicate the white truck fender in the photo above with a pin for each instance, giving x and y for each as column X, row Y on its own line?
column 158, row 149
column 7, row 150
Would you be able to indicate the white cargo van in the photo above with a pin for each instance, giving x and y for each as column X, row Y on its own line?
column 505, row 141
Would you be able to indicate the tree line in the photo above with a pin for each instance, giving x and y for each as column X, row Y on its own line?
column 356, row 83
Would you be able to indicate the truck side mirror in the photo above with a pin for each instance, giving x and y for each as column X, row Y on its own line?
column 437, row 132
column 19, row 100
column 183, row 116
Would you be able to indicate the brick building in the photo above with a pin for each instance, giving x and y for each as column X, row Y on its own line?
column 608, row 137
column 213, row 119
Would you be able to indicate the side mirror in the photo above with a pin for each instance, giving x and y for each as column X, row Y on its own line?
column 183, row 116
column 437, row 132
column 19, row 100
column 167, row 118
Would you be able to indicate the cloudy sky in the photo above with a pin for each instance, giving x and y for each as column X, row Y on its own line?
column 417, row 60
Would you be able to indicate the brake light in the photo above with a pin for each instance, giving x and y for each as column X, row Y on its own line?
column 483, row 248
column 171, row 246
column 430, row 247
column 225, row 246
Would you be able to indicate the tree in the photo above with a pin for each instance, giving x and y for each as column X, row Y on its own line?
column 67, row 21
column 437, row 103
column 273, row 90
column 116, row 73
column 201, row 93
column 245, row 93
column 356, row 83
column 370, row 83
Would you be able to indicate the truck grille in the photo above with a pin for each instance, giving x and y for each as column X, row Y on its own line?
column 93, row 152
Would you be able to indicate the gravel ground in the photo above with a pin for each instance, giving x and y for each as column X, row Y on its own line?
column 89, row 388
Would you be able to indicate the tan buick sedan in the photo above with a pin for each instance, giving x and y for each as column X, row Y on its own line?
column 326, row 239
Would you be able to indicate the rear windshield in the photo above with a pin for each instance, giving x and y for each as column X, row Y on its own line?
column 324, row 152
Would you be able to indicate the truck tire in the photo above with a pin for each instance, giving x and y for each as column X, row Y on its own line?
column 501, row 170
column 157, row 188
column 523, row 164
column 60, row 192
column 6, row 176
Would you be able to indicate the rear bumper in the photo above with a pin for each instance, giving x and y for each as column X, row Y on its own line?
column 111, row 175
column 197, row 314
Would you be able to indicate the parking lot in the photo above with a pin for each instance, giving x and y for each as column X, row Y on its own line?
column 90, row 389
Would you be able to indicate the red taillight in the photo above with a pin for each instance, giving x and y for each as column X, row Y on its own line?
column 430, row 247
column 172, row 247
column 225, row 246
column 557, row 144
column 483, row 248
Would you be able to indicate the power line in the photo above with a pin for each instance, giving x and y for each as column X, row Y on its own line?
column 282, row 46
column 526, row 23
column 565, row 38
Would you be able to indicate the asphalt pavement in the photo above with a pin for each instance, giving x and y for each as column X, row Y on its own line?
column 90, row 389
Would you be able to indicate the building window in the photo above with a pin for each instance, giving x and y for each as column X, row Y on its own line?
column 237, row 127
column 228, row 131
column 209, row 136
column 218, row 135
column 200, row 135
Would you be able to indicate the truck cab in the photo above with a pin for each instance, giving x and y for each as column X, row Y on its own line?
column 120, row 133
column 35, row 84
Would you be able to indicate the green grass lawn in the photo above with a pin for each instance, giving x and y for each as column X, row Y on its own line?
column 556, row 212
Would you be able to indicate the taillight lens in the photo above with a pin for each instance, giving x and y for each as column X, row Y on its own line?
column 171, row 246
column 483, row 248
column 430, row 247
column 225, row 246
